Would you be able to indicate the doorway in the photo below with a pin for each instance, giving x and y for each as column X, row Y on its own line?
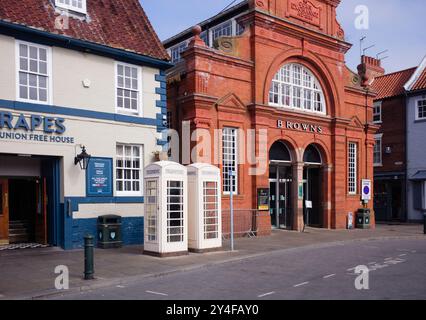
column 22, row 209
column 312, row 197
column 280, row 180
column 26, row 215
column 312, row 187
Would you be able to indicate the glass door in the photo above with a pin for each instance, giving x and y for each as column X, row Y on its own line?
column 280, row 197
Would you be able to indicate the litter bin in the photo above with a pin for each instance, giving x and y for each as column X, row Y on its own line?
column 363, row 218
column 109, row 232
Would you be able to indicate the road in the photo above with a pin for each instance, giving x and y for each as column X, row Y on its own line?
column 396, row 271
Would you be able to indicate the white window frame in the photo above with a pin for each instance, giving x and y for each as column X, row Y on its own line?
column 169, row 234
column 49, row 72
column 352, row 165
column 417, row 108
column 378, row 137
column 236, row 154
column 208, row 211
column 183, row 45
column 152, row 210
column 377, row 106
column 285, row 79
column 219, row 26
column 131, row 193
column 70, row 7
column 139, row 111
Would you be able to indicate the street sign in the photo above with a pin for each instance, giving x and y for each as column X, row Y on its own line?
column 366, row 190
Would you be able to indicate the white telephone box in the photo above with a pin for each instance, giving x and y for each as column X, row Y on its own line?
column 166, row 210
column 204, row 208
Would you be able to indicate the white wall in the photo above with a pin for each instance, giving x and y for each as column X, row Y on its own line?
column 69, row 69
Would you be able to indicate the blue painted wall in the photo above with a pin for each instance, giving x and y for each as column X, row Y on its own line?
column 132, row 231
column 416, row 153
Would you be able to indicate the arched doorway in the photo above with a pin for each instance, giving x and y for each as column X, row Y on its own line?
column 312, row 187
column 280, row 179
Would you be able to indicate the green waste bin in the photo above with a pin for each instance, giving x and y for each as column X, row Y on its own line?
column 363, row 219
column 109, row 232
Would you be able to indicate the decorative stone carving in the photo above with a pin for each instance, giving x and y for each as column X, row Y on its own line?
column 306, row 11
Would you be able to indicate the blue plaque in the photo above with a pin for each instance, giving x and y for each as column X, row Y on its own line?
column 99, row 177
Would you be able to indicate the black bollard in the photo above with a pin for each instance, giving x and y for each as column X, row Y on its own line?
column 88, row 258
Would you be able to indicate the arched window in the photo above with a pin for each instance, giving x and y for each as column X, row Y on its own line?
column 312, row 155
column 279, row 152
column 295, row 87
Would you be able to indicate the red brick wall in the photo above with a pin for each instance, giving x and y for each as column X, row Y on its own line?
column 218, row 89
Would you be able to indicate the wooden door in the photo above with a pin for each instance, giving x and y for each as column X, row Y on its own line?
column 41, row 218
column 4, row 211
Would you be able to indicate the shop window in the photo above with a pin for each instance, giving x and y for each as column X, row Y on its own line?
column 72, row 5
column 230, row 156
column 352, row 168
column 377, row 153
column 419, row 195
column 128, row 170
column 128, row 88
column 175, row 216
column 294, row 86
column 421, row 109
column 377, row 112
column 151, row 209
column 33, row 72
column 211, row 212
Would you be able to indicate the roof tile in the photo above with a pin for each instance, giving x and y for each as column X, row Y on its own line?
column 120, row 24
column 392, row 84
column 421, row 82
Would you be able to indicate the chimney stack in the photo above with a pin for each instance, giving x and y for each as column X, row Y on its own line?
column 369, row 69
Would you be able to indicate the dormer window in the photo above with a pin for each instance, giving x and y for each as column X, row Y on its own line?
column 72, row 5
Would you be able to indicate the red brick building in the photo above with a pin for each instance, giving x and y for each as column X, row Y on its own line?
column 390, row 159
column 278, row 65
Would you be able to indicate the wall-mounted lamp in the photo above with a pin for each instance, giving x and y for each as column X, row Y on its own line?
column 388, row 150
column 83, row 159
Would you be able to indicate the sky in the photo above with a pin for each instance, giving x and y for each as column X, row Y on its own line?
column 395, row 25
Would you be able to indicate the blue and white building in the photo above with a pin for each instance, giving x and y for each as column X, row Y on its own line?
column 89, row 74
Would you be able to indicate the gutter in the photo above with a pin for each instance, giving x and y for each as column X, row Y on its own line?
column 43, row 37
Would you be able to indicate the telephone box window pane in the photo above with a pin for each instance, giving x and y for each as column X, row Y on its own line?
column 175, row 216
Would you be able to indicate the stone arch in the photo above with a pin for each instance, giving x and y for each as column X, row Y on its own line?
column 322, row 149
column 290, row 144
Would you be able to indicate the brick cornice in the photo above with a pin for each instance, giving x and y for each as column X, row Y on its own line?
column 287, row 27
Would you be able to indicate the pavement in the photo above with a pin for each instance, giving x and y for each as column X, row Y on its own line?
column 30, row 274
column 327, row 272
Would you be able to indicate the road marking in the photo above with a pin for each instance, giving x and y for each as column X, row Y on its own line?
column 371, row 263
column 329, row 276
column 121, row 287
column 402, row 255
column 388, row 259
column 266, row 294
column 301, row 284
column 157, row 293
column 351, row 269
